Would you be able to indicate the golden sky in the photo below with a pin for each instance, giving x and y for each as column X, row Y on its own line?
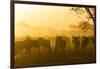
column 55, row 17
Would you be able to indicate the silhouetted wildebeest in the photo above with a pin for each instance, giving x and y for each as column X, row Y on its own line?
column 44, row 43
column 92, row 40
column 76, row 41
column 29, row 44
column 60, row 44
column 24, row 47
column 84, row 41
column 68, row 42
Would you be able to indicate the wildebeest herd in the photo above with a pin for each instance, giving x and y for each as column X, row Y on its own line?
column 60, row 44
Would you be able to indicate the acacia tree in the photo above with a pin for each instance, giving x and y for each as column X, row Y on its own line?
column 81, row 10
column 89, row 15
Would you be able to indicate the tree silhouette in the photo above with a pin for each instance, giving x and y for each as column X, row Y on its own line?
column 81, row 10
column 89, row 14
column 83, row 26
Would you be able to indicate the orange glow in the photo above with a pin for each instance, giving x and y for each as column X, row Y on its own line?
column 37, row 20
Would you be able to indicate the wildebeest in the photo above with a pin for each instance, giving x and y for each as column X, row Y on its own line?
column 60, row 44
column 29, row 44
column 84, row 41
column 76, row 41
column 92, row 40
column 25, row 45
column 44, row 43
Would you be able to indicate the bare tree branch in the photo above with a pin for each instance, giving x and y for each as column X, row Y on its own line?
column 87, row 9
